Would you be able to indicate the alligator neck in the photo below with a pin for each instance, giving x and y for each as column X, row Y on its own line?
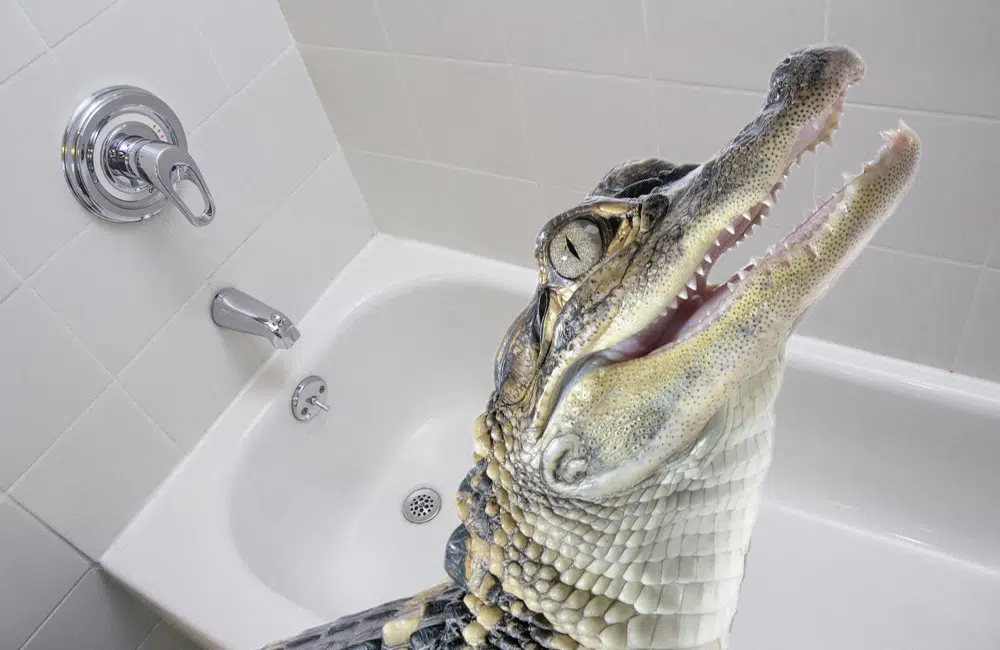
column 657, row 567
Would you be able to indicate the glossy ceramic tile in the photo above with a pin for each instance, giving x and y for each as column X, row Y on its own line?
column 184, row 77
column 399, row 192
column 343, row 23
column 728, row 42
column 291, row 259
column 363, row 95
column 20, row 42
column 36, row 100
column 38, row 570
column 588, row 35
column 192, row 370
column 493, row 216
column 97, row 475
column 42, row 353
column 56, row 19
column 460, row 29
column 580, row 126
column 899, row 305
column 693, row 123
column 242, row 42
column 482, row 130
column 97, row 614
column 924, row 54
column 979, row 353
column 9, row 279
column 951, row 211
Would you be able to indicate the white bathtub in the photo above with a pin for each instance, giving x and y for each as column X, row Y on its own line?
column 881, row 527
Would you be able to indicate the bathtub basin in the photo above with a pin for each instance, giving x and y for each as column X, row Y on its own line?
column 880, row 527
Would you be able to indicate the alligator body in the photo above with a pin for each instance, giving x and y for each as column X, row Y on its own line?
column 620, row 460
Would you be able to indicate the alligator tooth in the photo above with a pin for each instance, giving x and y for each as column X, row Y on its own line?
column 673, row 305
column 730, row 229
column 886, row 135
column 765, row 210
column 767, row 203
column 683, row 295
column 746, row 216
column 692, row 284
column 700, row 271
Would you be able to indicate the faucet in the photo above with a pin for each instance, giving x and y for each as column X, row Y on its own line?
column 235, row 310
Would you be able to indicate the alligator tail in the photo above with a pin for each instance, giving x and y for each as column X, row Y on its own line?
column 431, row 620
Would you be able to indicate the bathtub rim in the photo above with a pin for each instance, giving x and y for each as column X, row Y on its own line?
column 156, row 555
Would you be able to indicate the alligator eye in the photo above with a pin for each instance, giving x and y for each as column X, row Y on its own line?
column 576, row 248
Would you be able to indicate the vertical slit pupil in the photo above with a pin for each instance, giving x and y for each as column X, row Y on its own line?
column 572, row 248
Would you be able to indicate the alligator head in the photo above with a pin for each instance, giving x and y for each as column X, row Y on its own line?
column 630, row 386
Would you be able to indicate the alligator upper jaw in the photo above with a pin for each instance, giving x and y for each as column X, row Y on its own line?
column 698, row 303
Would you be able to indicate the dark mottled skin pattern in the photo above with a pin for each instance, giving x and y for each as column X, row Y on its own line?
column 444, row 614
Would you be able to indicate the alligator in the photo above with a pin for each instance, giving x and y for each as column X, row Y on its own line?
column 619, row 463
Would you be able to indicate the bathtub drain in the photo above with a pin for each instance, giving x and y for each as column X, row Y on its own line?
column 422, row 505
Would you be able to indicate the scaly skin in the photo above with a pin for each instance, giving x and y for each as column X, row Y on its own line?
column 621, row 457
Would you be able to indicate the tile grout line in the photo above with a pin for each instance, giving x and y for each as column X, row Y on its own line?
column 87, row 409
column 211, row 53
column 242, row 88
column 41, row 625
column 435, row 163
column 522, row 112
column 983, row 270
column 658, row 81
column 45, row 50
column 923, row 256
column 397, row 68
column 52, row 530
column 100, row 13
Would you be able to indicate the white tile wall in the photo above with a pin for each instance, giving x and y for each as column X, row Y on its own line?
column 467, row 114
column 111, row 322
column 38, row 569
column 597, row 82
column 363, row 95
column 19, row 41
column 459, row 29
column 585, row 35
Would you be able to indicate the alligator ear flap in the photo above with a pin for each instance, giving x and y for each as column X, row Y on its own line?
column 652, row 210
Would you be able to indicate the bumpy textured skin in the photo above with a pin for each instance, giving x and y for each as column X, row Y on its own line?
column 621, row 458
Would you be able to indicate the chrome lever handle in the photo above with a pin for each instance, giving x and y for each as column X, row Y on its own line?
column 166, row 166
column 122, row 145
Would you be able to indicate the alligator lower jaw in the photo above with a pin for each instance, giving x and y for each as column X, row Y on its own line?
column 698, row 304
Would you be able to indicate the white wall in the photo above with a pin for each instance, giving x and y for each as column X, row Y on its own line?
column 471, row 122
column 110, row 367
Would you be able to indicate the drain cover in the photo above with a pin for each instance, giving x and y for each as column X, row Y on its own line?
column 420, row 506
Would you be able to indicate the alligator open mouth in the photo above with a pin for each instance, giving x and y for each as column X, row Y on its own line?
column 698, row 303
